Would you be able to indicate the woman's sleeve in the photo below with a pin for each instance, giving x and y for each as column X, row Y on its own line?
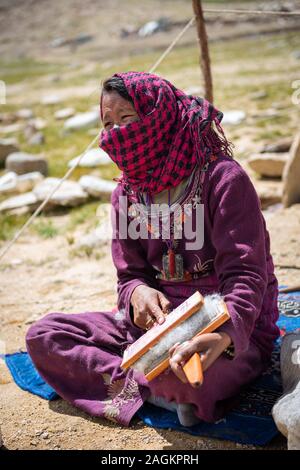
column 128, row 256
column 238, row 236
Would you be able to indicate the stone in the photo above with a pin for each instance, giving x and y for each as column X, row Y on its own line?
column 277, row 105
column 8, row 182
column 97, row 238
column 282, row 145
column 7, row 146
column 28, row 200
column 91, row 158
column 58, row 42
column 69, row 194
column 37, row 139
column 33, row 128
column 97, row 187
column 50, row 99
column 38, row 123
column 73, row 42
column 268, row 164
column 269, row 192
column 29, row 131
column 286, row 411
column 291, row 175
column 8, row 118
column 24, row 113
column 12, row 128
column 258, row 95
column 270, row 113
column 21, row 162
column 23, row 210
column 64, row 113
column 81, row 38
column 82, row 121
column 233, row 117
column 28, row 181
column 152, row 27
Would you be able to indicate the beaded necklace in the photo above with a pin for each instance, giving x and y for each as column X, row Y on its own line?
column 172, row 262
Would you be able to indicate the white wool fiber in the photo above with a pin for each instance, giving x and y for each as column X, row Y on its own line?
column 183, row 332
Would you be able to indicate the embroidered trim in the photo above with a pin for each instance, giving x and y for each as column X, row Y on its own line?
column 119, row 394
column 201, row 268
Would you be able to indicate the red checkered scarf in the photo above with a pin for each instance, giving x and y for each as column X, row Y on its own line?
column 174, row 134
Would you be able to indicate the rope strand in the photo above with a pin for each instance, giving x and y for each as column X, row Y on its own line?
column 254, row 12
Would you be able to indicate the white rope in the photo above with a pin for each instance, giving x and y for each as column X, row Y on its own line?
column 254, row 12
column 70, row 171
column 173, row 43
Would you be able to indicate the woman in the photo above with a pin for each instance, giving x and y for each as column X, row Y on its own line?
column 171, row 149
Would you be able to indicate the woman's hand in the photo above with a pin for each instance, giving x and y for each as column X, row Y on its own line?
column 210, row 346
column 149, row 306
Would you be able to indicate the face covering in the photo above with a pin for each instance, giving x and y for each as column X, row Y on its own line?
column 175, row 132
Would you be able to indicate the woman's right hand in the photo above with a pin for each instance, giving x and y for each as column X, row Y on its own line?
column 149, row 306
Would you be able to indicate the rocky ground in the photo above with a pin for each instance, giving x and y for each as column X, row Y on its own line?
column 47, row 269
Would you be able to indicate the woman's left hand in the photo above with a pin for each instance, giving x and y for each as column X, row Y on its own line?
column 210, row 346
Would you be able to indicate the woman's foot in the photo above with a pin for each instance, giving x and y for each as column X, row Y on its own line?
column 162, row 403
column 185, row 411
column 186, row 414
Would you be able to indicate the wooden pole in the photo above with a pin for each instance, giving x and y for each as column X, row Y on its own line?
column 204, row 52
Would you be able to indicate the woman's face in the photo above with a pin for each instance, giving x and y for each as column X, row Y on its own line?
column 116, row 110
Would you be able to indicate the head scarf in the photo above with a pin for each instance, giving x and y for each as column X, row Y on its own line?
column 174, row 134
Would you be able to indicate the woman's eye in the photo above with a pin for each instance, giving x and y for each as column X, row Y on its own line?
column 108, row 125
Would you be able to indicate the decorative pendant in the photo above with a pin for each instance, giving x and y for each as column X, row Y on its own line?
column 172, row 262
column 171, row 256
column 173, row 269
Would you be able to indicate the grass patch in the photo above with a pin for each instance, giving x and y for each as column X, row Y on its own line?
column 88, row 252
column 85, row 214
column 45, row 228
column 9, row 224
column 22, row 69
